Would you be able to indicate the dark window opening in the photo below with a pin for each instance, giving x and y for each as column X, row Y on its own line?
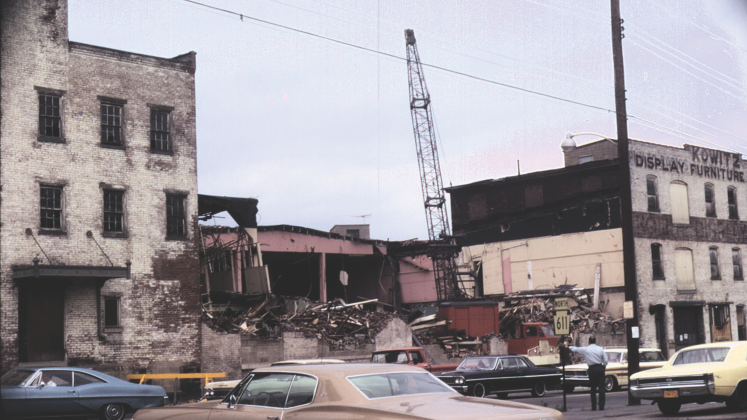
column 176, row 225
column 51, row 207
column 113, row 211
column 49, row 115
column 658, row 271
column 715, row 272
column 353, row 233
column 159, row 131
column 736, row 259
column 111, row 312
column 111, row 124
column 710, row 201
column 731, row 193
column 719, row 315
column 653, row 194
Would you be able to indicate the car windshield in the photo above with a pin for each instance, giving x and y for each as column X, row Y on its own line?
column 652, row 356
column 708, row 355
column 548, row 331
column 17, row 377
column 478, row 363
column 382, row 385
column 390, row 357
column 614, row 356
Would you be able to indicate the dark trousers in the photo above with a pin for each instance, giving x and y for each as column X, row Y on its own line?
column 596, row 382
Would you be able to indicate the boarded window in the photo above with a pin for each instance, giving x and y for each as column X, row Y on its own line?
column 731, row 193
column 652, row 191
column 658, row 271
column 680, row 204
column 720, row 323
column 710, row 201
column 713, row 255
column 683, row 269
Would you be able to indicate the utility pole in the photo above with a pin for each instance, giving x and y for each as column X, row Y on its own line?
column 631, row 287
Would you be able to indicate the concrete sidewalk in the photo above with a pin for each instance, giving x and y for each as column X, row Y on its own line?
column 648, row 411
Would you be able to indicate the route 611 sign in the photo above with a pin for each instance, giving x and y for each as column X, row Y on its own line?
column 562, row 321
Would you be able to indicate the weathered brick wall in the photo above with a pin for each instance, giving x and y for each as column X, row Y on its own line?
column 701, row 233
column 221, row 352
column 600, row 150
column 160, row 302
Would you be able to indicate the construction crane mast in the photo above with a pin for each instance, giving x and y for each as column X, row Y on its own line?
column 441, row 248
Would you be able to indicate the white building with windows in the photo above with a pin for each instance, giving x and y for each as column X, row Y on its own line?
column 99, row 263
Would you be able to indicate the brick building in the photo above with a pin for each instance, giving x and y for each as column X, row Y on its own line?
column 99, row 262
column 554, row 227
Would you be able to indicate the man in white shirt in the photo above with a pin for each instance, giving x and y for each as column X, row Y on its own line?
column 596, row 358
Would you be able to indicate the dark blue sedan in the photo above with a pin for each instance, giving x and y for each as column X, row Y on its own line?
column 56, row 392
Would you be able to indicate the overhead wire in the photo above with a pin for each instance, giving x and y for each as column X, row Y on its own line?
column 444, row 69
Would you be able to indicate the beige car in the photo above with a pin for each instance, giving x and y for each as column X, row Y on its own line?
column 346, row 391
column 616, row 371
column 218, row 390
column 715, row 372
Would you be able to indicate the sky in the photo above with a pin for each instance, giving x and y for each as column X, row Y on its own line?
column 320, row 131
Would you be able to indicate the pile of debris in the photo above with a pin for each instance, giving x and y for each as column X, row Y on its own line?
column 343, row 325
column 539, row 306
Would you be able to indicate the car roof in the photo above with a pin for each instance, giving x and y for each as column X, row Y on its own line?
column 307, row 362
column 96, row 373
column 342, row 369
column 731, row 344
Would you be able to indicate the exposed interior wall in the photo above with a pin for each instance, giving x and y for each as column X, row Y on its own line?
column 548, row 262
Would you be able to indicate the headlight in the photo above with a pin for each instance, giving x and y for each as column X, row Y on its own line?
column 711, row 383
column 209, row 392
column 459, row 381
column 634, row 382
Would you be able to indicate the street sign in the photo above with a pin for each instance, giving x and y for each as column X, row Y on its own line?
column 562, row 323
column 561, row 304
column 628, row 312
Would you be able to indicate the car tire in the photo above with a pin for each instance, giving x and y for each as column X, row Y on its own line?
column 539, row 389
column 610, row 383
column 669, row 407
column 738, row 401
column 568, row 388
column 479, row 390
column 112, row 412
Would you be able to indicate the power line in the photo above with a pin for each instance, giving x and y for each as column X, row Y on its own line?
column 458, row 73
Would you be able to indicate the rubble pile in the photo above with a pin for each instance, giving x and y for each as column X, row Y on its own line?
column 540, row 307
column 343, row 325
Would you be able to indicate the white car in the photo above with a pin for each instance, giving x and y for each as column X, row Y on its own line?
column 616, row 371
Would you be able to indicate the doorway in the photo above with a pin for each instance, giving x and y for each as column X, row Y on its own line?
column 660, row 321
column 41, row 324
column 688, row 326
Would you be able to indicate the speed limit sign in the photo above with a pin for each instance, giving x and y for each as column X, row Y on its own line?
column 562, row 323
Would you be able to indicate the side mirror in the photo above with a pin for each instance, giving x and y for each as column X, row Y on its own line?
column 41, row 385
column 231, row 401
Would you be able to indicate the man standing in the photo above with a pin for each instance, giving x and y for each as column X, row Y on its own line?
column 596, row 358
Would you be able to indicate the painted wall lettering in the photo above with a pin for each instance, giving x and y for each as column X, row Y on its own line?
column 706, row 163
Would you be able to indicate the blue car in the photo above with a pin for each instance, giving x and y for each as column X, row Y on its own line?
column 56, row 392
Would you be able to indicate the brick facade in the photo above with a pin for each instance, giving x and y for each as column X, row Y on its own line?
column 159, row 302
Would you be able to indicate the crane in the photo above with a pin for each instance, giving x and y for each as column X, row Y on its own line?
column 441, row 245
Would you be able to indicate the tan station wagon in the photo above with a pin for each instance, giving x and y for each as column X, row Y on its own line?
column 346, row 391
column 715, row 372
column 616, row 371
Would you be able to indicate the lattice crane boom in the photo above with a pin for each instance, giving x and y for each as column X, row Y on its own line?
column 442, row 248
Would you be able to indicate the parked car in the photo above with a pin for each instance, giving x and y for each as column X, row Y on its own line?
column 73, row 392
column 616, row 371
column 715, row 372
column 414, row 356
column 345, row 391
column 482, row 375
column 217, row 390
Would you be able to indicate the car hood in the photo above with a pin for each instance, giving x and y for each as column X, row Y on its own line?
column 679, row 370
column 459, row 407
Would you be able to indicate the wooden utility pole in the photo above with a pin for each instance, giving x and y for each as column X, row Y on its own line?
column 631, row 287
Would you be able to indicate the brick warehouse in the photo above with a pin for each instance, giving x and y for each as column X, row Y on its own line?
column 99, row 262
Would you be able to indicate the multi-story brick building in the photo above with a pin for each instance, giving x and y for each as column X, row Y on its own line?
column 98, row 257
column 553, row 227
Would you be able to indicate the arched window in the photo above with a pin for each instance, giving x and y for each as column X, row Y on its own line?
column 652, row 191
column 731, row 194
column 680, row 203
column 710, row 200
column 656, row 268
column 715, row 272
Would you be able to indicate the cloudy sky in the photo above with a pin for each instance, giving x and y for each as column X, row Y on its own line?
column 320, row 132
